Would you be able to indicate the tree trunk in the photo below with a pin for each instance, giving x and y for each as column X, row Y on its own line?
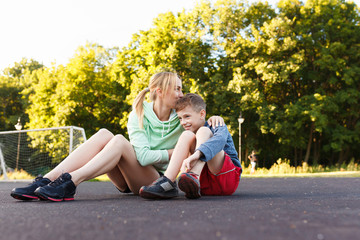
column 332, row 159
column 319, row 148
column 341, row 157
column 307, row 155
column 316, row 151
column 246, row 156
column 295, row 158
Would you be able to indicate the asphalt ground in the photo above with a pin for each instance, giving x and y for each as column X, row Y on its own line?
column 267, row 208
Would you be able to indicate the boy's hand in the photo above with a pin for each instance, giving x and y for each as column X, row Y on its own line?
column 190, row 162
column 216, row 121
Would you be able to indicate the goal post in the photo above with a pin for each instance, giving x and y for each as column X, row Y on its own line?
column 29, row 153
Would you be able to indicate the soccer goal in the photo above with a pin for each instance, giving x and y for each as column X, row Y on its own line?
column 25, row 154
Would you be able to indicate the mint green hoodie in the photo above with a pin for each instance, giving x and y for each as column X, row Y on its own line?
column 152, row 141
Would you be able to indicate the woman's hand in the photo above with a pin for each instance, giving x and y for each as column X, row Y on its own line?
column 216, row 121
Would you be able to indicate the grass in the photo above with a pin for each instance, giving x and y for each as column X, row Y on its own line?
column 17, row 175
column 281, row 169
column 303, row 175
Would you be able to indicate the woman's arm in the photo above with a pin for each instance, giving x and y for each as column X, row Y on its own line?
column 216, row 121
column 140, row 142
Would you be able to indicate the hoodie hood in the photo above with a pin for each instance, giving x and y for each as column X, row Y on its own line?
column 161, row 128
column 153, row 140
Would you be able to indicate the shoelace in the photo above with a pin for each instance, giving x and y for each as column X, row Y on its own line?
column 194, row 175
column 57, row 182
column 35, row 180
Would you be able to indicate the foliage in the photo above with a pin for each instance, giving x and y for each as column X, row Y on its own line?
column 292, row 71
column 12, row 105
column 301, row 77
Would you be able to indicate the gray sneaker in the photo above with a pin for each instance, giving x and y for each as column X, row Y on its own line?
column 162, row 188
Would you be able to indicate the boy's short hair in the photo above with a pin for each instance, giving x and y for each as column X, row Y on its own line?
column 193, row 100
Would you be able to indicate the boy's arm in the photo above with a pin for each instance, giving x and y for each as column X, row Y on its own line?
column 190, row 162
column 214, row 144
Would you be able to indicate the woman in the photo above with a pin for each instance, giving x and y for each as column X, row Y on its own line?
column 153, row 130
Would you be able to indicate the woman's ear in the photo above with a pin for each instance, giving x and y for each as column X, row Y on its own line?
column 159, row 92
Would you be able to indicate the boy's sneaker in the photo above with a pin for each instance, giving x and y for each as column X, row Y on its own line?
column 190, row 184
column 27, row 193
column 162, row 188
column 62, row 189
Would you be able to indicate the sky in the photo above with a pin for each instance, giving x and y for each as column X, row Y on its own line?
column 50, row 31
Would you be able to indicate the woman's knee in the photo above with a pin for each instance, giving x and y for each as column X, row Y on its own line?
column 105, row 133
column 119, row 141
column 101, row 138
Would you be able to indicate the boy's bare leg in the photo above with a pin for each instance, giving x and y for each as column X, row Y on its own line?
column 198, row 167
column 187, row 143
column 82, row 154
column 184, row 146
column 215, row 164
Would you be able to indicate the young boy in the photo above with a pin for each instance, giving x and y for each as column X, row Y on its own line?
column 204, row 155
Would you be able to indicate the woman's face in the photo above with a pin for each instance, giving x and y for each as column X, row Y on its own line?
column 174, row 94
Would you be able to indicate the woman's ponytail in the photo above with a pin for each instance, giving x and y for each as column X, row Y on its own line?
column 162, row 80
column 138, row 105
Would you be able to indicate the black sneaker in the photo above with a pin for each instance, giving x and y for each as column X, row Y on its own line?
column 127, row 190
column 162, row 188
column 190, row 184
column 62, row 189
column 27, row 193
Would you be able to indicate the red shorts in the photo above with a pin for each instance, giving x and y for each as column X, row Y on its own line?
column 223, row 183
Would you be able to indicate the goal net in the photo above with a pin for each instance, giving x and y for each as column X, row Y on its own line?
column 24, row 154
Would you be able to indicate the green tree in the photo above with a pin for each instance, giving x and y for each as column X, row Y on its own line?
column 301, row 78
column 293, row 71
column 12, row 104
column 82, row 93
column 173, row 44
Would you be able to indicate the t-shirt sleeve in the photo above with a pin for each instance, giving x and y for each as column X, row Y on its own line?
column 139, row 140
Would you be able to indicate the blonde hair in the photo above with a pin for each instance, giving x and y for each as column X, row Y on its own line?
column 162, row 80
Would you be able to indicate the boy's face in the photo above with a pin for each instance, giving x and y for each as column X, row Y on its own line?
column 190, row 119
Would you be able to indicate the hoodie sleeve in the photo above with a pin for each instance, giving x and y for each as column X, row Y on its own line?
column 139, row 140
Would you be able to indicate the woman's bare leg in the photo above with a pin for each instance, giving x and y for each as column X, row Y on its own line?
column 82, row 154
column 134, row 174
column 116, row 177
column 118, row 153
